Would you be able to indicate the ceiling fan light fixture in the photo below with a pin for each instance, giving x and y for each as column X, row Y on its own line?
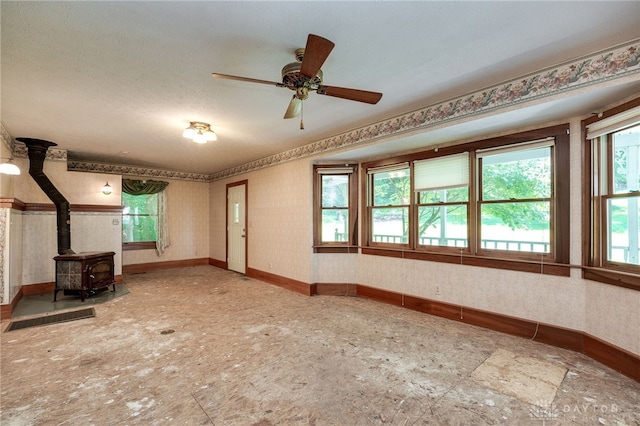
column 189, row 133
column 199, row 132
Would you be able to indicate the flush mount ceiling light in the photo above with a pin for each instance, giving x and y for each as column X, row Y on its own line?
column 9, row 168
column 199, row 132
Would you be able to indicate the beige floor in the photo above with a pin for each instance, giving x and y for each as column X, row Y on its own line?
column 205, row 346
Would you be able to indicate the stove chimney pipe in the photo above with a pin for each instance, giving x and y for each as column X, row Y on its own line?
column 37, row 149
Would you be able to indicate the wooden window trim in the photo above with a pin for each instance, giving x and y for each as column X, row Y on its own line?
column 488, row 258
column 351, row 245
column 139, row 245
column 595, row 265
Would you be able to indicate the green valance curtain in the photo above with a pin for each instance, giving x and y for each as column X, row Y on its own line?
column 139, row 187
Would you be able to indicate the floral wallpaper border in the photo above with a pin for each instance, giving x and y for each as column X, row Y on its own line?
column 610, row 64
column 53, row 154
column 116, row 169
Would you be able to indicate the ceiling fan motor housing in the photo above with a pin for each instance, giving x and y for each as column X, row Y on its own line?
column 292, row 78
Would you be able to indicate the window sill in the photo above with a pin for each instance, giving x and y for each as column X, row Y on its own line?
column 472, row 260
column 146, row 245
column 338, row 248
column 612, row 277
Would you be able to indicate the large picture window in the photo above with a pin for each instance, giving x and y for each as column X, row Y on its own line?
column 613, row 147
column 501, row 200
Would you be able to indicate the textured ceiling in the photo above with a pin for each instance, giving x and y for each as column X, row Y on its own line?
column 104, row 78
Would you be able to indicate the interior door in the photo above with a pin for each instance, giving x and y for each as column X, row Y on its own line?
column 237, row 228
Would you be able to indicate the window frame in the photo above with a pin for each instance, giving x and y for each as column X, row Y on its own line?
column 137, row 245
column 557, row 263
column 480, row 202
column 371, row 205
column 351, row 244
column 595, row 262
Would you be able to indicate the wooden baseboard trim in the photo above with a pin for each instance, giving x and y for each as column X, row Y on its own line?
column 333, row 289
column 612, row 356
column 284, row 282
column 608, row 354
column 218, row 263
column 152, row 266
column 40, row 288
column 7, row 309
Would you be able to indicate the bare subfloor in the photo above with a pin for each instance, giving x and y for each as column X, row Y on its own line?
column 207, row 346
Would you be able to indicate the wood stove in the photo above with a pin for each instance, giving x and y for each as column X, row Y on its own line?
column 84, row 273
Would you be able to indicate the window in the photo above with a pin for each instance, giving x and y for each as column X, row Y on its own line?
column 335, row 194
column 140, row 218
column 390, row 194
column 442, row 191
column 613, row 147
column 502, row 200
column 515, row 197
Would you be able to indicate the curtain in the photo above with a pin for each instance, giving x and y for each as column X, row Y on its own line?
column 139, row 187
column 162, row 236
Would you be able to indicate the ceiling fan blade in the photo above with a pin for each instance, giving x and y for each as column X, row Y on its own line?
column 246, row 79
column 315, row 53
column 294, row 108
column 350, row 94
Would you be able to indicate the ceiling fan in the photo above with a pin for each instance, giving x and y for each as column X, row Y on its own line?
column 305, row 75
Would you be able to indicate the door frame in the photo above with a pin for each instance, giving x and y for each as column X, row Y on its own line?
column 244, row 182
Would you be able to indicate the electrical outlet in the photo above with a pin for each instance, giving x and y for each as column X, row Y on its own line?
column 115, row 222
column 438, row 292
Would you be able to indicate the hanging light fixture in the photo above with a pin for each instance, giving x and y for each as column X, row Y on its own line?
column 9, row 168
column 106, row 189
column 199, row 132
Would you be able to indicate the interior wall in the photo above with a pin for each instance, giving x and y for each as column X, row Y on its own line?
column 188, row 216
column 279, row 207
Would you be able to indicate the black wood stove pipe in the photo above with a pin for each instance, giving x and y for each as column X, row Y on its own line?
column 37, row 149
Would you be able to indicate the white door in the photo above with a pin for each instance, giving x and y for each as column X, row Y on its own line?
column 236, row 228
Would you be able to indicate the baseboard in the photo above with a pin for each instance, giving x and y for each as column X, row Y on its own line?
column 284, row 282
column 612, row 356
column 39, row 288
column 218, row 263
column 604, row 352
column 152, row 266
column 333, row 289
column 7, row 309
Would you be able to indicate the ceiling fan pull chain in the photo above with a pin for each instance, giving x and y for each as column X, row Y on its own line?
column 301, row 115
